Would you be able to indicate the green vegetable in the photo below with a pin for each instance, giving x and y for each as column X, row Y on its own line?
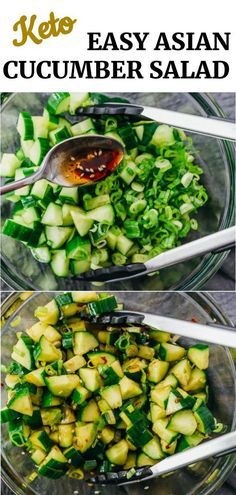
column 152, row 198
column 89, row 397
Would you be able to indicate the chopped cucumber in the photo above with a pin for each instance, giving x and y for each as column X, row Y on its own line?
column 58, row 103
column 205, row 420
column 57, row 236
column 63, row 385
column 82, row 222
column 183, row 422
column 84, row 342
column 199, row 355
column 112, row 395
column 117, row 454
column 160, row 428
column 153, row 449
column 102, row 392
column 60, row 263
column 82, row 127
column 23, row 352
column 157, row 370
column 21, row 401
column 171, row 352
column 182, row 371
column 25, row 126
column 77, row 100
column 52, row 215
column 46, row 351
column 129, row 388
column 91, row 379
column 9, row 164
column 85, row 436
column 89, row 412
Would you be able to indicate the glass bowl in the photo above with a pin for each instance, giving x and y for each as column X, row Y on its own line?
column 21, row 271
column 204, row 477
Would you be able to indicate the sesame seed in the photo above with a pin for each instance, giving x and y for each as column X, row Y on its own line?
column 87, row 170
column 100, row 152
column 91, row 170
column 146, row 487
column 75, row 492
column 92, row 176
column 81, row 175
column 72, row 158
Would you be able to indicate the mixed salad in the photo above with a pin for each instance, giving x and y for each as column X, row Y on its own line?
column 85, row 397
column 147, row 206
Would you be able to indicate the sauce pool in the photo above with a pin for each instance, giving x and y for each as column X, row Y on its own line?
column 91, row 166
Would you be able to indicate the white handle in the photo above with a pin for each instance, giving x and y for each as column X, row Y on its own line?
column 217, row 335
column 218, row 128
column 207, row 449
column 191, row 249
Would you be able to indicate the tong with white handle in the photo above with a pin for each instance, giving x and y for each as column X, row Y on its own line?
column 209, row 126
column 219, row 241
column 225, row 444
column 222, row 334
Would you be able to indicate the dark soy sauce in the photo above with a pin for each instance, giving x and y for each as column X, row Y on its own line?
column 91, row 166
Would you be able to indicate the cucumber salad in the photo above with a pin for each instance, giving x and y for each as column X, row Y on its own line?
column 147, row 206
column 85, row 397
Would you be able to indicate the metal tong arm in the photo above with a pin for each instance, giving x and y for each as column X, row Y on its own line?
column 211, row 243
column 222, row 240
column 220, row 446
column 214, row 127
column 217, row 446
column 222, row 335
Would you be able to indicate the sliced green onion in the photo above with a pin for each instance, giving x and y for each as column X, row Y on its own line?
column 110, row 124
column 163, row 164
column 187, row 179
column 120, row 211
column 138, row 206
column 186, row 208
column 142, row 157
column 130, row 473
column 194, row 224
column 118, row 259
column 123, row 342
column 178, row 224
column 132, row 229
column 150, row 219
column 136, row 186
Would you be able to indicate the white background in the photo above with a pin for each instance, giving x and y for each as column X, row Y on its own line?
column 124, row 15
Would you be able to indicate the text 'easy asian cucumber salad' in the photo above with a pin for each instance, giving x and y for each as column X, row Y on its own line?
column 85, row 397
column 147, row 206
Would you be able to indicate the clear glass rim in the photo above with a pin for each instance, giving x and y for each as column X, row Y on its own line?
column 211, row 263
column 204, row 300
